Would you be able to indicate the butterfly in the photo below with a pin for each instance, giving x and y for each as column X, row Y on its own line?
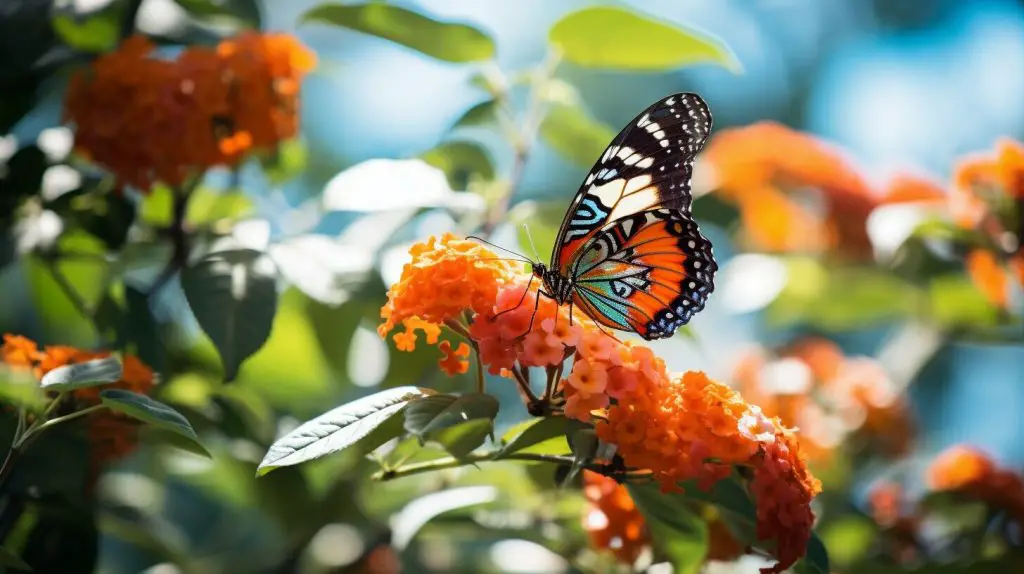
column 628, row 252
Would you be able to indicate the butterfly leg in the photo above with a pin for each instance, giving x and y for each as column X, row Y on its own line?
column 521, row 299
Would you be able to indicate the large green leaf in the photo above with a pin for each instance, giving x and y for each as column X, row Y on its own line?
column 544, row 435
column 575, row 135
column 678, row 531
column 150, row 411
column 339, row 428
column 619, row 38
column 233, row 295
column 433, row 413
column 484, row 113
column 452, row 42
column 92, row 373
column 465, row 437
column 96, row 32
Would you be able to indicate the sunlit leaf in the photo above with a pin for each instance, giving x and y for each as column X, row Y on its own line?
column 18, row 387
column 245, row 11
column 954, row 300
column 96, row 32
column 394, row 184
column 678, row 531
column 92, row 373
column 545, row 435
column 452, row 42
column 233, row 295
column 465, row 437
column 619, row 38
column 485, row 112
column 575, row 135
column 339, row 428
column 437, row 412
column 461, row 161
column 320, row 266
column 150, row 411
column 849, row 537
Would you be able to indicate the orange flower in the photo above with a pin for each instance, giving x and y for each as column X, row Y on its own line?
column 989, row 276
column 20, row 352
column 722, row 544
column 454, row 361
column 901, row 526
column 772, row 173
column 972, row 473
column 612, row 519
column 152, row 120
column 906, row 188
column 959, row 467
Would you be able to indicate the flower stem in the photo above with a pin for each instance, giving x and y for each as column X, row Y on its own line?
column 452, row 462
column 479, row 367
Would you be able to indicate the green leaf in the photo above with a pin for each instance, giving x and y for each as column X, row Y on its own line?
column 437, row 412
column 956, row 301
column 463, row 438
column 8, row 559
column 461, row 161
column 545, row 435
column 486, row 112
column 97, row 32
column 452, row 42
column 233, row 296
column 617, row 38
column 286, row 161
column 816, row 560
column 20, row 388
column 244, row 11
column 575, row 135
column 92, row 373
column 678, row 532
column 340, row 428
column 850, row 537
column 150, row 411
column 583, row 442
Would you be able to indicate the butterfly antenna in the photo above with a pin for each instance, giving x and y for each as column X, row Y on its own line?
column 529, row 237
column 521, row 257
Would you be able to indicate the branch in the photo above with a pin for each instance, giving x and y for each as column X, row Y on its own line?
column 131, row 14
column 451, row 462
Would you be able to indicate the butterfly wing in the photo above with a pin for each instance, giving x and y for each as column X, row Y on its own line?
column 647, row 166
column 648, row 273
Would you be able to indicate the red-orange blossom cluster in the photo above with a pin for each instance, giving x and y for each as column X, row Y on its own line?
column 676, row 427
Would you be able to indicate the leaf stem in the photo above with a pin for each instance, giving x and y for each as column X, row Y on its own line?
column 452, row 462
column 35, row 429
column 178, row 235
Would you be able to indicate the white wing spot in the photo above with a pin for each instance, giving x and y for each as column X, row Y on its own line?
column 696, row 264
column 645, row 163
column 664, row 143
column 670, row 101
column 692, row 244
column 644, row 120
column 652, row 127
column 692, row 285
column 659, row 134
column 624, row 152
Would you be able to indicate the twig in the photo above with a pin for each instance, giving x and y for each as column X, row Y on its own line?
column 522, row 143
column 178, row 235
column 131, row 13
column 445, row 463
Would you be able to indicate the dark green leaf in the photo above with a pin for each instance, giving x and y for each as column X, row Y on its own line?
column 816, row 560
column 486, row 112
column 575, row 135
column 618, row 38
column 451, row 42
column 438, row 412
column 142, row 329
column 92, row 373
column 233, row 295
column 245, row 11
column 9, row 559
column 678, row 532
column 108, row 217
column 339, row 428
column 584, row 443
column 461, row 161
column 546, row 435
column 148, row 410
column 463, row 438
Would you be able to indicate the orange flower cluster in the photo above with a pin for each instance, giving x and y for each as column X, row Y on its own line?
column 612, row 519
column 677, row 428
column 988, row 196
column 972, row 473
column 149, row 120
column 111, row 434
column 775, row 175
column 811, row 385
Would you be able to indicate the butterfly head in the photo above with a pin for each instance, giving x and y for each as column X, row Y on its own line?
column 558, row 286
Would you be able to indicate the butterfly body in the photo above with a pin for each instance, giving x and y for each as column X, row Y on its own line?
column 628, row 252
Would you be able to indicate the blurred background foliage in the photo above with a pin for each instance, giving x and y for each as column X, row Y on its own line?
column 863, row 297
